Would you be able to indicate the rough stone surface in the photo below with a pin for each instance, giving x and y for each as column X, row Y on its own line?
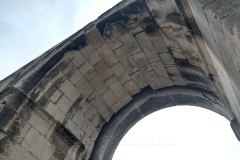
column 138, row 57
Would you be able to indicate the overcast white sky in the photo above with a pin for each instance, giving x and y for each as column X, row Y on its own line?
column 30, row 27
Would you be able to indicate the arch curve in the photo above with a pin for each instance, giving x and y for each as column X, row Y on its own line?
column 145, row 103
column 138, row 57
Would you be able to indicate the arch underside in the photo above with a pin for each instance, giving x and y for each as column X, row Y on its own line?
column 143, row 104
column 136, row 58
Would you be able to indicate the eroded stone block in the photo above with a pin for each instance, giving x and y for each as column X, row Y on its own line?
column 120, row 73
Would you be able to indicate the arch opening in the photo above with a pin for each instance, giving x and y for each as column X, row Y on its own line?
column 145, row 103
column 181, row 132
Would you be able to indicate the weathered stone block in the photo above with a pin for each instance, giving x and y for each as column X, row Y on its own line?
column 95, row 38
column 116, row 106
column 131, row 87
column 85, row 87
column 91, row 54
column 44, row 84
column 109, row 57
column 130, row 44
column 84, row 105
column 6, row 115
column 111, row 37
column 119, row 90
column 12, row 150
column 147, row 47
column 56, row 96
column 65, row 64
column 74, row 129
column 160, row 69
column 142, row 62
column 153, row 80
column 54, row 110
column 156, row 10
column 166, row 81
column 177, row 53
column 134, row 26
column 120, row 73
column 104, row 71
column 169, row 37
column 139, row 79
column 98, row 84
column 109, row 97
column 100, row 105
column 126, row 60
column 98, row 121
column 55, row 74
column 17, row 129
column 88, row 128
column 175, row 75
column 91, row 113
column 43, row 150
column 168, row 7
column 64, row 104
column 79, row 119
column 74, row 76
column 158, row 42
column 167, row 58
column 71, row 92
column 82, row 64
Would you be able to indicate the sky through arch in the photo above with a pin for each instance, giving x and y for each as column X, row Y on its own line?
column 181, row 132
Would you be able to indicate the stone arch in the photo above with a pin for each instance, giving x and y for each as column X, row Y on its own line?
column 65, row 96
column 145, row 103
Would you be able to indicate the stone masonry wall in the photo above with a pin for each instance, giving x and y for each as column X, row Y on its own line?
column 128, row 48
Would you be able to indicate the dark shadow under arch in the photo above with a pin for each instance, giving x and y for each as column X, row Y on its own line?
column 147, row 102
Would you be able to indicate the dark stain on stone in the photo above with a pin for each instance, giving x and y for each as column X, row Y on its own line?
column 121, row 27
column 34, row 78
column 35, row 93
column 176, row 18
column 184, row 63
column 81, row 65
column 133, row 23
column 117, row 16
column 79, row 42
column 70, row 73
column 16, row 98
column 59, row 82
column 51, row 90
column 54, row 72
column 148, row 24
column 43, row 83
column 58, row 155
column 79, row 151
column 63, row 65
column 14, row 131
column 4, row 143
column 139, row 6
column 6, row 115
column 63, row 139
column 189, row 38
column 43, row 101
column 211, row 77
column 196, row 78
column 191, row 72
